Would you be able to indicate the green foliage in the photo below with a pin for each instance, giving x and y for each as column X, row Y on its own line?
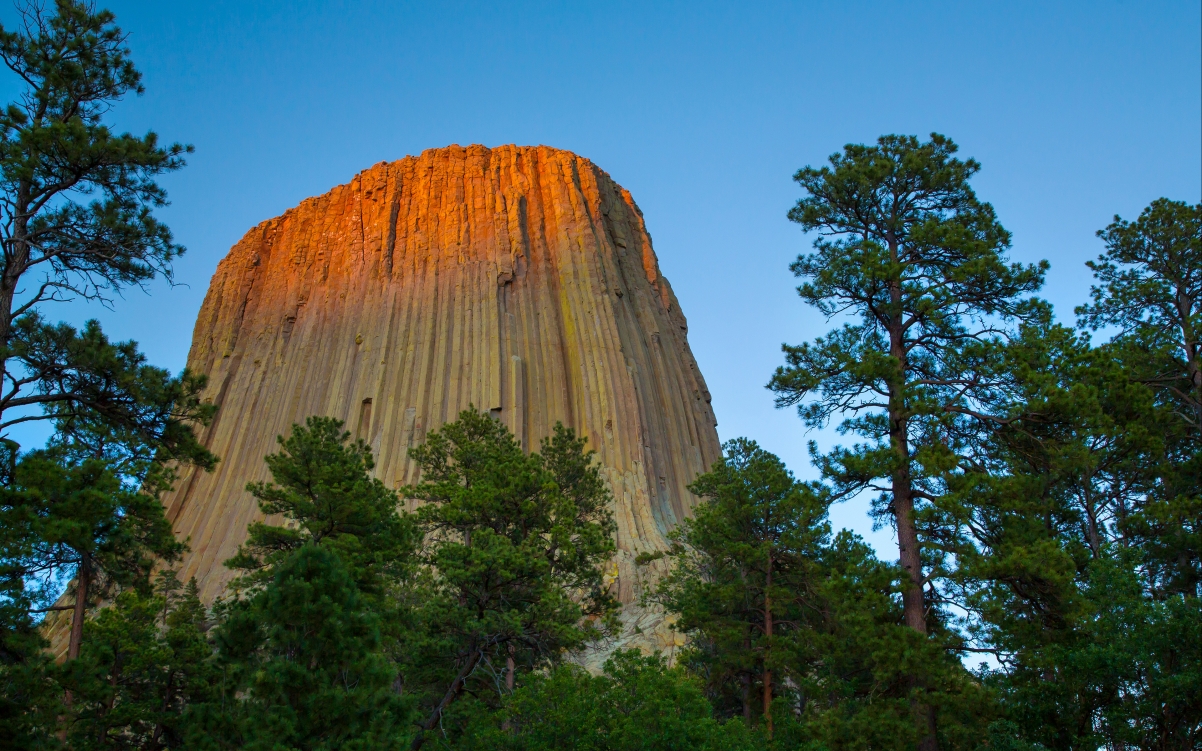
column 1151, row 290
column 305, row 669
column 145, row 663
column 303, row 649
column 851, row 674
column 111, row 404
column 60, row 518
column 636, row 704
column 841, row 657
column 919, row 260
column 1124, row 669
column 71, row 511
column 321, row 484
column 1071, row 533
column 55, row 150
column 515, row 545
column 87, row 506
column 744, row 569
column 30, row 697
column 54, row 146
column 907, row 250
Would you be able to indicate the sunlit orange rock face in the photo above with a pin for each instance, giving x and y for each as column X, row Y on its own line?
column 520, row 280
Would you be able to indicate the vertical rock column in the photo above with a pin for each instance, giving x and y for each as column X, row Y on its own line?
column 520, row 280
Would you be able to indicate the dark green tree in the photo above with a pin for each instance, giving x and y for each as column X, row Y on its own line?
column 64, row 519
column 30, row 697
column 743, row 566
column 76, row 221
column 775, row 606
column 305, row 665
column 147, row 660
column 1150, row 291
column 303, row 647
column 852, row 675
column 637, row 703
column 515, row 545
column 1071, row 529
column 906, row 249
column 321, row 484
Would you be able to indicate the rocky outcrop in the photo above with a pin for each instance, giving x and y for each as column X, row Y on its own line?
column 520, row 280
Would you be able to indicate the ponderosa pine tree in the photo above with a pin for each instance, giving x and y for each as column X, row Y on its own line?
column 63, row 518
column 838, row 659
column 515, row 546
column 1077, row 520
column 146, row 661
column 1150, row 290
column 322, row 485
column 76, row 222
column 743, row 567
column 907, row 249
column 304, row 645
column 55, row 150
column 1092, row 649
column 305, row 665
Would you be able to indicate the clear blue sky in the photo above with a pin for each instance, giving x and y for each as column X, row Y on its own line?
column 1077, row 111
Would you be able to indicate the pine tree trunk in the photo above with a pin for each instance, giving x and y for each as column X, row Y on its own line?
column 1185, row 303
column 17, row 258
column 510, row 679
column 768, row 649
column 1185, row 308
column 909, row 553
column 746, row 698
column 83, row 580
column 10, row 276
column 746, row 676
column 510, row 669
column 909, row 550
column 452, row 693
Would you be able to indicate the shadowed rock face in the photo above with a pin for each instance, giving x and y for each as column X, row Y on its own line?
column 520, row 280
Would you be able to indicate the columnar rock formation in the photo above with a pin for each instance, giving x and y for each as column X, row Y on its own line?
column 518, row 280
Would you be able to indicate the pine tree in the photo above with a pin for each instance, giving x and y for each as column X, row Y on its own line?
column 743, row 566
column 1150, row 289
column 775, row 605
column 77, row 222
column 907, row 248
column 56, row 150
column 304, row 643
column 305, row 665
column 322, row 485
column 1071, row 525
column 1094, row 648
column 146, row 662
column 64, row 518
column 515, row 545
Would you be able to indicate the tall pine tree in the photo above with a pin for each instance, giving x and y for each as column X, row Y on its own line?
column 515, row 545
column 1150, row 289
column 744, row 568
column 907, row 250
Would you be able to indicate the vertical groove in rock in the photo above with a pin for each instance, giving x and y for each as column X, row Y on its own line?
column 518, row 279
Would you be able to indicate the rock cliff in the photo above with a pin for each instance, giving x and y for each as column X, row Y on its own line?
column 520, row 280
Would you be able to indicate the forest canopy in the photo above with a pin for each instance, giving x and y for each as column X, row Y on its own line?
column 1043, row 478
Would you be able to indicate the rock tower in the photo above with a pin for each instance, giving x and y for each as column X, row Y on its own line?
column 520, row 280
